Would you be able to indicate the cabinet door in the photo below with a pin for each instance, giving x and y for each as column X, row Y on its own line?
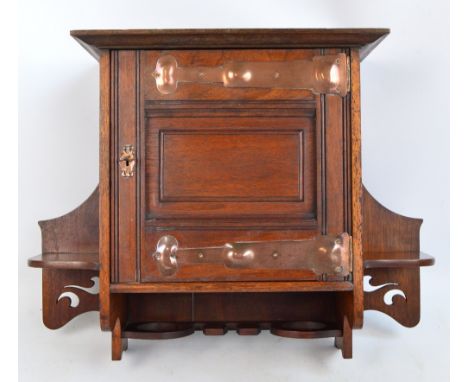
column 217, row 165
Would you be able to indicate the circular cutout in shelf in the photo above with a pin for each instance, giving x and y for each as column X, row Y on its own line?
column 305, row 329
column 158, row 330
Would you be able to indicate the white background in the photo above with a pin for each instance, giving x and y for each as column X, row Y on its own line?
column 405, row 129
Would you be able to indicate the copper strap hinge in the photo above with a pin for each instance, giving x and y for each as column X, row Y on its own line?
column 326, row 256
column 328, row 74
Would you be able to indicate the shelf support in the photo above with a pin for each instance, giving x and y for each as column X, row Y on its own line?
column 391, row 262
column 70, row 265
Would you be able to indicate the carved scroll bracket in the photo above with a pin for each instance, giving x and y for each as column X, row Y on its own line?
column 394, row 292
column 67, row 294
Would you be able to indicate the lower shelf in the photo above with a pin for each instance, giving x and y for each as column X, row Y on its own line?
column 171, row 330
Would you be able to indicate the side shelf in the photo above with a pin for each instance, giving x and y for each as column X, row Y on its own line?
column 70, row 263
column 399, row 260
column 391, row 262
column 76, row 261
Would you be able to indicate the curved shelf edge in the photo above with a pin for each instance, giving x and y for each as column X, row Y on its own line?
column 73, row 261
column 398, row 260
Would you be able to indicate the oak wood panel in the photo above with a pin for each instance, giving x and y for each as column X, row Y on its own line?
column 104, row 188
column 334, row 166
column 114, row 171
column 127, row 186
column 333, row 162
column 231, row 165
column 162, row 307
column 235, row 307
column 336, row 174
column 387, row 231
column 225, row 160
column 75, row 232
column 356, row 320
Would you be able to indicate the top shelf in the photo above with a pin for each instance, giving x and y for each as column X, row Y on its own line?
column 95, row 41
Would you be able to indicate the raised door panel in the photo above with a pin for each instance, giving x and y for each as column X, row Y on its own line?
column 231, row 165
column 261, row 163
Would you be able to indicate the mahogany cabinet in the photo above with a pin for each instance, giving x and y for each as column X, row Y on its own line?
column 230, row 193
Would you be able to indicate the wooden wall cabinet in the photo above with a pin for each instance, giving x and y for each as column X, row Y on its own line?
column 230, row 193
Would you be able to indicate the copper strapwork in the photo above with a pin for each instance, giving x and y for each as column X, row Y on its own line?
column 322, row 74
column 328, row 257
